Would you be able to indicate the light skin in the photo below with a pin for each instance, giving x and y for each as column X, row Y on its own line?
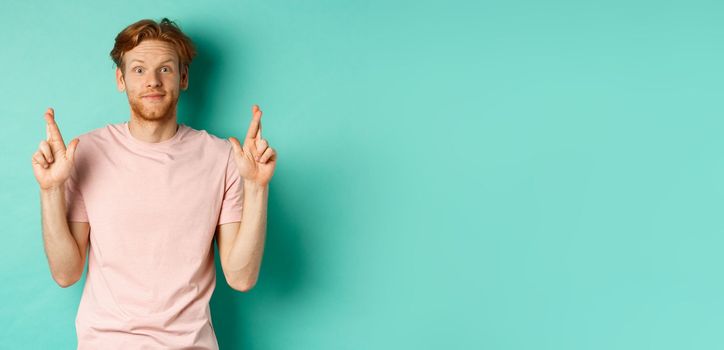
column 152, row 78
column 65, row 243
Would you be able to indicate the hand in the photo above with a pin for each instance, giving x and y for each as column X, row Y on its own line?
column 255, row 159
column 52, row 162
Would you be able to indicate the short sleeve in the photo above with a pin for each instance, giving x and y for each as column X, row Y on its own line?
column 233, row 192
column 74, row 204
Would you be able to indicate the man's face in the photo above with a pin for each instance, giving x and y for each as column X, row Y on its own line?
column 152, row 80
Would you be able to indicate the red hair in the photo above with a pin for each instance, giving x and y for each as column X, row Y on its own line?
column 147, row 29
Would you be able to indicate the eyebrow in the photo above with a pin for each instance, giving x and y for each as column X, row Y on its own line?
column 141, row 61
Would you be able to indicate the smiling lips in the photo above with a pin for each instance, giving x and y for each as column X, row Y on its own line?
column 153, row 97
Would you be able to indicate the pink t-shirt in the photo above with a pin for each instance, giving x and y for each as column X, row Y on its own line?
column 153, row 209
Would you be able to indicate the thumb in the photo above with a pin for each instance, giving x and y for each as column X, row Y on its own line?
column 70, row 152
column 235, row 144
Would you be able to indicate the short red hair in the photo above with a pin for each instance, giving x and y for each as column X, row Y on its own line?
column 148, row 29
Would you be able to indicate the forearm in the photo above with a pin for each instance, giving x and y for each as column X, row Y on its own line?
column 60, row 247
column 244, row 258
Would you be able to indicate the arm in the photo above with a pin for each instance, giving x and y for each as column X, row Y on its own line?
column 65, row 242
column 241, row 245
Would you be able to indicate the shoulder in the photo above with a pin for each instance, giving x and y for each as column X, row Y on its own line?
column 100, row 134
column 91, row 142
column 210, row 141
column 92, row 146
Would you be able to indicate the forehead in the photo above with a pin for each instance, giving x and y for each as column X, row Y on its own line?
column 152, row 51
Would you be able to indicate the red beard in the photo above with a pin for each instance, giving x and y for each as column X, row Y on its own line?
column 158, row 111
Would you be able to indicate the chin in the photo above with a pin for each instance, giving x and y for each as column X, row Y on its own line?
column 156, row 115
column 156, row 112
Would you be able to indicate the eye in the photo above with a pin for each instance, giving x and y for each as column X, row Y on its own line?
column 165, row 69
column 138, row 70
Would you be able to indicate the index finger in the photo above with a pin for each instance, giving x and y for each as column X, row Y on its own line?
column 255, row 125
column 51, row 128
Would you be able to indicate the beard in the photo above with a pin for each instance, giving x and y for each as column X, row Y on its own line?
column 154, row 112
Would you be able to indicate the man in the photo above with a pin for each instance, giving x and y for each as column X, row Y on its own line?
column 148, row 197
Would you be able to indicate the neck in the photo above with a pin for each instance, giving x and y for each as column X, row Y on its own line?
column 151, row 130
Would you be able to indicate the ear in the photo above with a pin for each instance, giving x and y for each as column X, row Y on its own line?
column 184, row 83
column 120, row 82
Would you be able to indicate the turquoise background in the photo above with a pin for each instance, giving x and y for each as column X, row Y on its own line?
column 451, row 175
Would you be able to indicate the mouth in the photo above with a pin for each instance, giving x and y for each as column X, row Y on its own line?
column 153, row 97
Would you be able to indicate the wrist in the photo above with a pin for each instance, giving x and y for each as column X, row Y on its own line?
column 52, row 189
column 255, row 187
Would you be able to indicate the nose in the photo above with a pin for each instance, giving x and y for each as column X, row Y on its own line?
column 153, row 80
